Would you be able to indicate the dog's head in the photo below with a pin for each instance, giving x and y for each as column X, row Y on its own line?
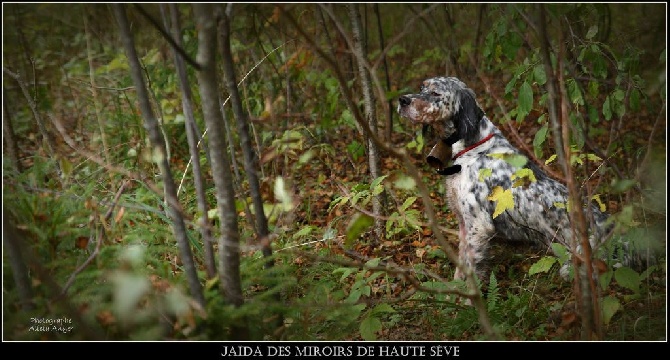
column 447, row 105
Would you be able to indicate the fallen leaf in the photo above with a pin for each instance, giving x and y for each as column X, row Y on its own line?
column 81, row 242
column 119, row 214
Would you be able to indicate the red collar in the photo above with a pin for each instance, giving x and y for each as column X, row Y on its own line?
column 460, row 153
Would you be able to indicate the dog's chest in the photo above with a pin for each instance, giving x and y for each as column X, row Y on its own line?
column 452, row 185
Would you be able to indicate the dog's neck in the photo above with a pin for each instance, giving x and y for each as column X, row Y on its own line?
column 459, row 147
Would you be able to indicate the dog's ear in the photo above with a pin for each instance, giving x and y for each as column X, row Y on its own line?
column 468, row 116
column 451, row 140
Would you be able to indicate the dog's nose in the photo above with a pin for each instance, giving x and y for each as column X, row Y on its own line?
column 404, row 100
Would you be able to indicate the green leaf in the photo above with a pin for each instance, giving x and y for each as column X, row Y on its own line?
column 437, row 253
column 539, row 75
column 634, row 100
column 304, row 231
column 133, row 254
column 540, row 137
column 622, row 185
column 607, row 109
column 574, row 93
column 377, row 190
column 605, row 279
column 358, row 224
column 619, row 94
column 377, row 181
column 355, row 149
column 410, row 200
column 593, row 89
column 516, row 160
column 645, row 274
column 628, row 278
column 484, row 173
column 510, row 85
column 599, row 65
column 128, row 291
column 610, row 307
column 405, row 183
column 177, row 303
column 306, row 156
column 369, row 326
column 345, row 272
column 283, row 194
column 626, row 217
column 543, row 265
column 578, row 134
column 354, row 296
column 618, row 107
column 561, row 252
column 383, row 308
column 593, row 30
column 373, row 263
column 525, row 101
column 593, row 157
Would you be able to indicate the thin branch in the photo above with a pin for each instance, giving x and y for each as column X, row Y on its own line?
column 109, row 167
column 183, row 177
column 51, row 146
column 100, row 236
column 391, row 268
column 167, row 37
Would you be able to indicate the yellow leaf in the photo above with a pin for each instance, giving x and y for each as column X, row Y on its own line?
column 503, row 199
column 525, row 173
column 601, row 205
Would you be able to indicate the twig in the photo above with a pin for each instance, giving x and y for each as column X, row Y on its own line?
column 512, row 130
column 183, row 177
column 392, row 268
column 50, row 145
column 383, row 217
column 113, row 168
column 167, row 37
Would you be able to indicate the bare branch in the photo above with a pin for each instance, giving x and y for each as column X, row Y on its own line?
column 167, row 37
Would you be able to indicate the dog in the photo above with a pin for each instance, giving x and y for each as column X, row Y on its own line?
column 482, row 168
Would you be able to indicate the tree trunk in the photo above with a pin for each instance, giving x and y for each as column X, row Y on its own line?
column 250, row 159
column 9, row 138
column 12, row 243
column 229, row 243
column 368, row 103
column 159, row 154
column 198, row 181
column 587, row 302
column 389, row 120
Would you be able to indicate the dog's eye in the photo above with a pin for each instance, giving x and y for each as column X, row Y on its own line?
column 434, row 93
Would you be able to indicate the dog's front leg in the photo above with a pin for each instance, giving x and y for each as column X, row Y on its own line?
column 473, row 245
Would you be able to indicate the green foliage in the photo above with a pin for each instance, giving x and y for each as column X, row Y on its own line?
column 358, row 224
column 543, row 265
